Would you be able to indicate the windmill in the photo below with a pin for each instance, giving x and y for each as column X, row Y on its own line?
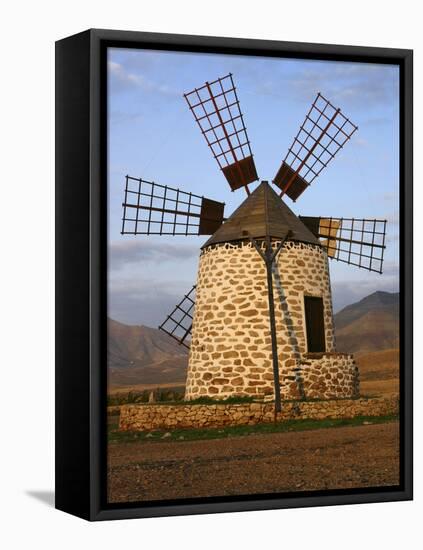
column 259, row 320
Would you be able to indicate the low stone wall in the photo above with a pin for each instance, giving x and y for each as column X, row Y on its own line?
column 155, row 417
column 322, row 376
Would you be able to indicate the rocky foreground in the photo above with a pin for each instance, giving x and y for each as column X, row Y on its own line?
column 335, row 458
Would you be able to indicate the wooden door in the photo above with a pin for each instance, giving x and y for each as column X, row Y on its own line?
column 315, row 324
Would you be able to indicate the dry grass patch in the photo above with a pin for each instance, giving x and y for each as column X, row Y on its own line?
column 379, row 372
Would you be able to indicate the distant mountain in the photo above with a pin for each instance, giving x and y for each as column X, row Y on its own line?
column 140, row 354
column 129, row 344
column 370, row 324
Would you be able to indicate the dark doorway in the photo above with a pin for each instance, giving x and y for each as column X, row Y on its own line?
column 315, row 324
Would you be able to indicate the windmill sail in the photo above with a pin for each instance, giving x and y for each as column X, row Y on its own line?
column 323, row 133
column 354, row 241
column 178, row 323
column 153, row 209
column 216, row 109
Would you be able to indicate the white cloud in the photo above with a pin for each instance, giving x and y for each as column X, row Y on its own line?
column 121, row 78
column 393, row 218
column 361, row 142
column 348, row 292
column 120, row 117
column 144, row 301
column 345, row 84
column 123, row 253
column 124, row 80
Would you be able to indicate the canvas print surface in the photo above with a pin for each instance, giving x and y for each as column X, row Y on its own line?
column 253, row 276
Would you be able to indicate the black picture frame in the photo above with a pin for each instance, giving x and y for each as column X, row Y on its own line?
column 81, row 260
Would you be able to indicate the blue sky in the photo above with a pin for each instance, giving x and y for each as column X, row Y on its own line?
column 153, row 135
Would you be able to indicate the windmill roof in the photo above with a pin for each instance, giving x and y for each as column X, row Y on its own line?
column 262, row 213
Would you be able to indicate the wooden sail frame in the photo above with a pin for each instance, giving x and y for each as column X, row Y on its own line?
column 323, row 133
column 153, row 209
column 216, row 109
column 354, row 241
column 178, row 324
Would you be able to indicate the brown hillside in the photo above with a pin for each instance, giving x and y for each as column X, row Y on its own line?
column 379, row 372
column 143, row 355
column 140, row 345
column 170, row 371
column 374, row 330
column 369, row 325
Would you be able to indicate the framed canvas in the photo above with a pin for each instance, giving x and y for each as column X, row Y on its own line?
column 234, row 274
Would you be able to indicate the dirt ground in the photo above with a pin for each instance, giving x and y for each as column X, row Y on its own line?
column 334, row 458
column 379, row 372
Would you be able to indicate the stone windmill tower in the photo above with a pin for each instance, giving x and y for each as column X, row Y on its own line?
column 259, row 320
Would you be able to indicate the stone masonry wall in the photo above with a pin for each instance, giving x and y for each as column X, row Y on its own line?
column 231, row 346
column 156, row 417
column 322, row 376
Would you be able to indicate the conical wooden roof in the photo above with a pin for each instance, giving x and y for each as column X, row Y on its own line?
column 262, row 213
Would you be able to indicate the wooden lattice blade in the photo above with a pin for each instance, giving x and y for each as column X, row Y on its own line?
column 153, row 209
column 323, row 133
column 178, row 324
column 358, row 242
column 216, row 109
